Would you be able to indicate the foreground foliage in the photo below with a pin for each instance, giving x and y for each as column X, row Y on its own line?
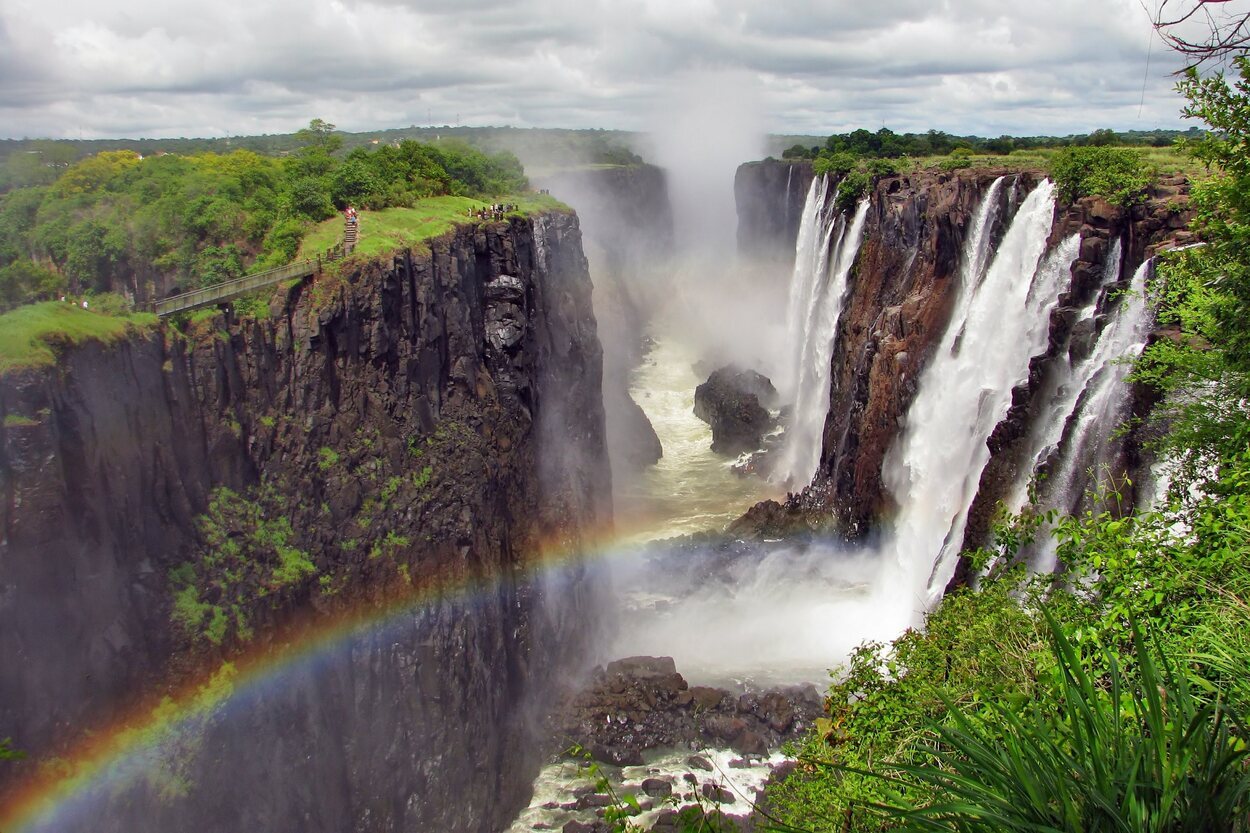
column 1113, row 751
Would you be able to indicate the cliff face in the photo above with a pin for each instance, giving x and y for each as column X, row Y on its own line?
column 1142, row 230
column 899, row 298
column 436, row 415
column 770, row 197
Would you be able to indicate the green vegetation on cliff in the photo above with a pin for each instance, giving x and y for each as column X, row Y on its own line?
column 31, row 335
column 117, row 220
column 1119, row 175
column 396, row 228
column 1103, row 163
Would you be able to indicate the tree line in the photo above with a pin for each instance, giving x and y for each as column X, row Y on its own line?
column 201, row 218
column 886, row 144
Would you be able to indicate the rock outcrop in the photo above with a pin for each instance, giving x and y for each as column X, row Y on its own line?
column 732, row 401
column 627, row 221
column 642, row 703
column 404, row 419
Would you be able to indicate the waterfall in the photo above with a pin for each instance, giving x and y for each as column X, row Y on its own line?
column 824, row 254
column 1062, row 390
column 789, row 178
column 999, row 322
column 1097, row 409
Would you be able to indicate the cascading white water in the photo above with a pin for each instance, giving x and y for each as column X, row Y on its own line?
column 1098, row 409
column 1000, row 321
column 789, row 179
column 1059, row 395
column 824, row 255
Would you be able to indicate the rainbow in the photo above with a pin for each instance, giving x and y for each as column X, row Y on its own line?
column 112, row 756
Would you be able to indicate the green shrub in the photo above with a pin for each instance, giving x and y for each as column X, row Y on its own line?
column 1109, row 752
column 246, row 552
column 835, row 164
column 853, row 186
column 327, row 458
column 1118, row 175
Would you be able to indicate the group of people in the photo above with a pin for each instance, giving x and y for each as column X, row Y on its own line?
column 349, row 214
column 494, row 211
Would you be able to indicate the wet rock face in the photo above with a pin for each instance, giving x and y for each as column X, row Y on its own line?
column 637, row 444
column 419, row 398
column 900, row 297
column 733, row 402
column 900, row 294
column 770, row 197
column 642, row 703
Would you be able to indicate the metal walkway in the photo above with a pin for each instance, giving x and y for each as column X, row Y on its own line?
column 229, row 290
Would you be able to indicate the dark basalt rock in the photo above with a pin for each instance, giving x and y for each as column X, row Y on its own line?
column 440, row 375
column 770, row 196
column 733, row 402
column 642, row 703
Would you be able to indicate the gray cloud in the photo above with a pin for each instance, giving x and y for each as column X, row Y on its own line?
column 175, row 67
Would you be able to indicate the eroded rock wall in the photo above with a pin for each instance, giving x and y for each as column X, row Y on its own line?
column 627, row 220
column 770, row 196
column 438, row 414
column 900, row 294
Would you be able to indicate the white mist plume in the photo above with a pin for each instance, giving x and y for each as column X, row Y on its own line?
column 710, row 123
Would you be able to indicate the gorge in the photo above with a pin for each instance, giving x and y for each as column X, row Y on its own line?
column 434, row 428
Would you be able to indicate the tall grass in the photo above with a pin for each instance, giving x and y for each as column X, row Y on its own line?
column 1129, row 750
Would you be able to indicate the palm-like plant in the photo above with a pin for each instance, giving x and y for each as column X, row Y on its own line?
column 1118, row 752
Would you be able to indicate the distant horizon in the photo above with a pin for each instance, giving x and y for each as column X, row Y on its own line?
column 633, row 132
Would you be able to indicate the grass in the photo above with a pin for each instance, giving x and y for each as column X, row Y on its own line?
column 1166, row 161
column 30, row 335
column 399, row 228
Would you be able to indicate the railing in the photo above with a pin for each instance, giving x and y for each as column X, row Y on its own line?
column 231, row 289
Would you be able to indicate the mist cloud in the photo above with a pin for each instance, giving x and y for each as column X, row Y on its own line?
column 78, row 68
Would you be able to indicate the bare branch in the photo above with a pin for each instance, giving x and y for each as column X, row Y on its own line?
column 1228, row 34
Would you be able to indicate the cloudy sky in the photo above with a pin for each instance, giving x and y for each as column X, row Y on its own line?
column 100, row 68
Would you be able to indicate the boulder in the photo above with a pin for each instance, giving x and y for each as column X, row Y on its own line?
column 717, row 793
column 643, row 668
column 699, row 762
column 657, row 787
column 731, row 402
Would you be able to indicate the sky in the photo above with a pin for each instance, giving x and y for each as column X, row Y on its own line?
column 166, row 68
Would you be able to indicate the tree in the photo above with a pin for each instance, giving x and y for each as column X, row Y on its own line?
column 1223, row 201
column 319, row 135
column 1228, row 33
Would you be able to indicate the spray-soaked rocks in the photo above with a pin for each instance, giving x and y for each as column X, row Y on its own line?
column 642, row 703
column 735, row 403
